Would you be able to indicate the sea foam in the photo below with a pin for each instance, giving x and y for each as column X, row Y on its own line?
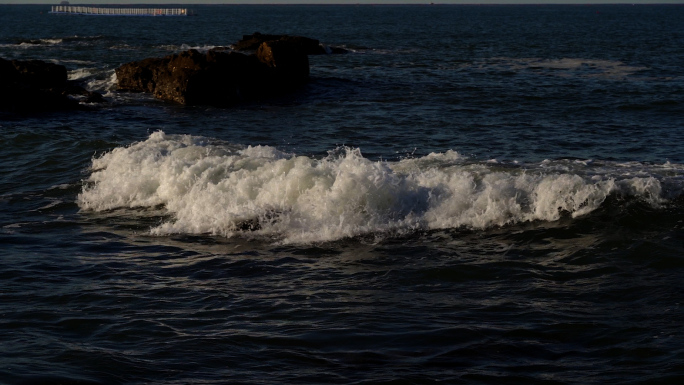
column 211, row 187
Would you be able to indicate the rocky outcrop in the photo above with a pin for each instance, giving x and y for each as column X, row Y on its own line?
column 303, row 44
column 270, row 65
column 37, row 86
column 218, row 77
column 307, row 45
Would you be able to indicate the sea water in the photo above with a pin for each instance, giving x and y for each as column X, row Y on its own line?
column 471, row 194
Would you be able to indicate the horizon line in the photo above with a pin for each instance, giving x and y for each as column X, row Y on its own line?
column 126, row 2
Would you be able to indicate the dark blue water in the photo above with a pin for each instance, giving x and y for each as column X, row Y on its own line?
column 473, row 194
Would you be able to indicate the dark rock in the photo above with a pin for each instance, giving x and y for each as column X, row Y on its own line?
column 40, row 74
column 189, row 77
column 217, row 77
column 18, row 97
column 252, row 42
column 37, row 86
column 277, row 64
column 288, row 60
column 7, row 71
column 304, row 44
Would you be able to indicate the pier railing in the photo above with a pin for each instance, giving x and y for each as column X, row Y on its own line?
column 78, row 10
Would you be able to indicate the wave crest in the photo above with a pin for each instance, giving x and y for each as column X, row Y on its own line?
column 217, row 188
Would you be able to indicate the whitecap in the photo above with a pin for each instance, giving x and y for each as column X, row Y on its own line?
column 211, row 187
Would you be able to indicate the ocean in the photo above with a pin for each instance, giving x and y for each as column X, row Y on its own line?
column 470, row 195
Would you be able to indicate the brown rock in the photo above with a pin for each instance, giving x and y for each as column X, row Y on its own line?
column 138, row 76
column 216, row 77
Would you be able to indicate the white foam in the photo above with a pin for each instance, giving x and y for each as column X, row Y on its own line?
column 216, row 188
column 49, row 41
column 185, row 47
column 74, row 61
column 80, row 73
column 99, row 80
column 106, row 83
column 201, row 48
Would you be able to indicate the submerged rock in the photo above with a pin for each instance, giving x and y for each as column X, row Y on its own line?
column 37, row 86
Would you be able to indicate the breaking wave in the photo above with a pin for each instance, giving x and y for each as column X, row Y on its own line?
column 211, row 187
column 96, row 79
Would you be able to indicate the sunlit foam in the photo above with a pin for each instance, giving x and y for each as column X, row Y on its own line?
column 210, row 187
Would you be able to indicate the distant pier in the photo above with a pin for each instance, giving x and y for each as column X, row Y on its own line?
column 78, row 10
